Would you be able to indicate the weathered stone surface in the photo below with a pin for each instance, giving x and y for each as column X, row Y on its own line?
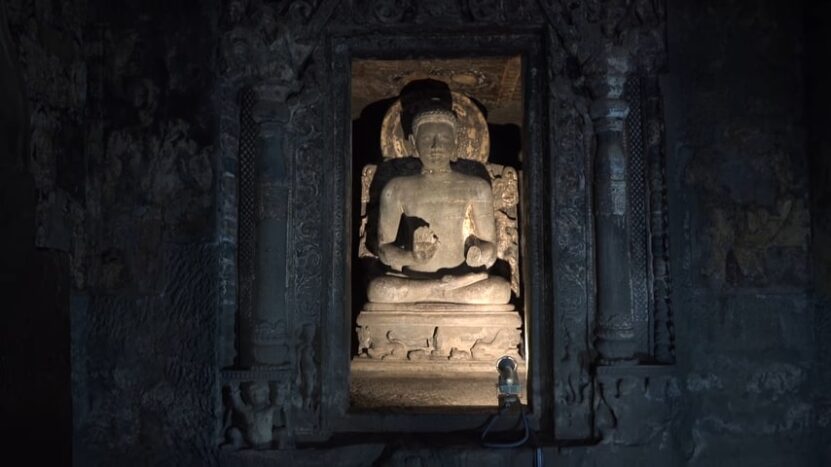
column 740, row 226
column 818, row 42
column 122, row 161
column 435, row 334
column 414, row 386
column 354, row 455
column 638, row 407
column 42, row 99
column 143, row 387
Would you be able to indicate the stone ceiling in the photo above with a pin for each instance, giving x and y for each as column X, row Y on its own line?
column 496, row 82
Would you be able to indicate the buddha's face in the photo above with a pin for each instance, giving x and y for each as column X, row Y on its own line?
column 435, row 143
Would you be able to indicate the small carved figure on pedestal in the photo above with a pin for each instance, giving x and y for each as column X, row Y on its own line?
column 259, row 422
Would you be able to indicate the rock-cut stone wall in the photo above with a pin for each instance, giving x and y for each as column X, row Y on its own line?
column 741, row 232
column 113, row 263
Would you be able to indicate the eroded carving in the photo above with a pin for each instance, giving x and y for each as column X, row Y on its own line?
column 637, row 409
column 307, row 367
column 258, row 420
column 505, row 183
column 438, row 332
column 504, row 342
column 390, row 12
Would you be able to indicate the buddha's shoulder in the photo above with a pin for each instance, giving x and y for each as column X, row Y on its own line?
column 459, row 180
column 399, row 184
column 472, row 182
column 402, row 181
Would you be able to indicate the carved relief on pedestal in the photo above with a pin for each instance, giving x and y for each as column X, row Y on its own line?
column 436, row 234
column 431, row 331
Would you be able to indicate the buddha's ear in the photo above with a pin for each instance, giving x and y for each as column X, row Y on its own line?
column 411, row 138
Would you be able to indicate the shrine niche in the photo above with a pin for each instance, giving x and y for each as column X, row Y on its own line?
column 548, row 226
column 438, row 239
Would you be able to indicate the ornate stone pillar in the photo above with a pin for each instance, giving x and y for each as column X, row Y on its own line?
column 614, row 330
column 268, row 344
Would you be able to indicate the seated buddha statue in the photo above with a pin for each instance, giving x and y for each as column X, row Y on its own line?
column 437, row 229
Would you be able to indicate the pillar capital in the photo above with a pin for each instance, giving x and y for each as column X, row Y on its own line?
column 270, row 101
column 607, row 73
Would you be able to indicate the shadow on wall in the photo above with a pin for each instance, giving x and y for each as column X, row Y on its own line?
column 35, row 404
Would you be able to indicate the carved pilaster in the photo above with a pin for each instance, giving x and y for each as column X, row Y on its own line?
column 268, row 344
column 615, row 333
column 664, row 334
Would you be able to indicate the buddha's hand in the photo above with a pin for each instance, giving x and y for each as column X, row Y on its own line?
column 474, row 257
column 425, row 244
column 479, row 255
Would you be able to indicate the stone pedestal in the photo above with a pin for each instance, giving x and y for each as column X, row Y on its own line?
column 438, row 332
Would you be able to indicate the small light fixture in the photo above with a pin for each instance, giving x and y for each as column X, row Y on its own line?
column 509, row 389
column 508, row 385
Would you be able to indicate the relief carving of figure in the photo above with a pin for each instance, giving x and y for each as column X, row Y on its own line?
column 258, row 420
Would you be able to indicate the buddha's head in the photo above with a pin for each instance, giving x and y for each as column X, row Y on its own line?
column 434, row 138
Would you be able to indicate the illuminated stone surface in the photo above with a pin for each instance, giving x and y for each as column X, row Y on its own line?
column 439, row 332
column 418, row 385
column 438, row 237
